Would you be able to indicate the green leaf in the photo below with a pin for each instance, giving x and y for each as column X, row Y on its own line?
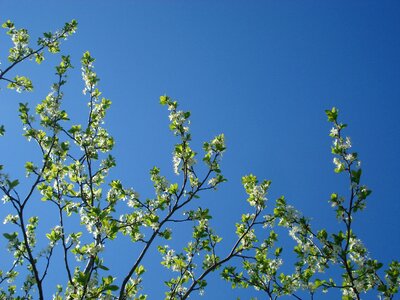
column 103, row 267
column 173, row 188
column 82, row 278
column 20, row 83
column 39, row 58
column 8, row 24
column 332, row 114
column 140, row 270
column 29, row 167
column 355, row 176
column 111, row 288
column 12, row 184
column 10, row 236
column 278, row 251
column 318, row 283
column 164, row 100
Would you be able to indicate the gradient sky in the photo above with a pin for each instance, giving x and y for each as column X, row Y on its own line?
column 261, row 72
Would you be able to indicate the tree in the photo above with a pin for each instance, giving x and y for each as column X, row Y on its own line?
column 72, row 178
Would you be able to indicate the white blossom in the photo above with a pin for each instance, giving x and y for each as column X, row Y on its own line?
column 5, row 199
column 334, row 131
column 213, row 181
column 176, row 163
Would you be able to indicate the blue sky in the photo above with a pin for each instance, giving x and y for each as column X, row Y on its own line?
column 261, row 72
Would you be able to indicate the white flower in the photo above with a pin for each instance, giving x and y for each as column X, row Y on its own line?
column 93, row 250
column 213, row 181
column 11, row 219
column 349, row 157
column 155, row 225
column 334, row 131
column 339, row 164
column 176, row 162
column 293, row 233
column 347, row 143
column 177, row 117
column 5, row 199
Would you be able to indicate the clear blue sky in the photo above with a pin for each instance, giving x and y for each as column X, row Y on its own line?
column 262, row 72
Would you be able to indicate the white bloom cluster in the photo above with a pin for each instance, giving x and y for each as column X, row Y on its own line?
column 155, row 225
column 94, row 249
column 349, row 293
column 349, row 157
column 181, row 290
column 219, row 141
column 177, row 117
column 341, row 144
column 259, row 193
column 340, row 166
column 334, row 132
column 87, row 221
column 176, row 163
column 191, row 162
column 30, row 230
column 86, row 76
column 11, row 219
column 293, row 233
column 248, row 239
column 5, row 199
column 334, row 252
column 194, row 181
column 160, row 183
column 132, row 196
column 358, row 253
column 169, row 256
column 347, row 143
column 213, row 181
column 58, row 229
column 292, row 215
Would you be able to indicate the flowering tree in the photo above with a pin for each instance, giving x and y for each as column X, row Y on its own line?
column 71, row 177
